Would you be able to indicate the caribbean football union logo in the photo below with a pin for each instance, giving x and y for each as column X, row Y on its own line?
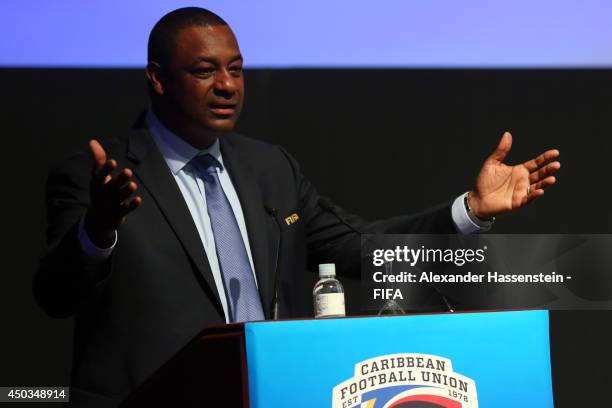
column 406, row 381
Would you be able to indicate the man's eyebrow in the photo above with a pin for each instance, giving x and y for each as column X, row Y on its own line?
column 213, row 61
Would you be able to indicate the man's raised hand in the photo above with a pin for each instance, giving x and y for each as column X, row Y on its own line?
column 501, row 188
column 111, row 197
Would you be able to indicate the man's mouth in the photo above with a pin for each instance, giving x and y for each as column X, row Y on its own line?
column 222, row 109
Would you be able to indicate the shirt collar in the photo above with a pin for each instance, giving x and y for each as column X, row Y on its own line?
column 176, row 152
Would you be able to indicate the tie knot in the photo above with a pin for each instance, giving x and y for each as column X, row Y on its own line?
column 206, row 163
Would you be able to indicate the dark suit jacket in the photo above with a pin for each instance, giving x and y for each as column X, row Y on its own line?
column 156, row 291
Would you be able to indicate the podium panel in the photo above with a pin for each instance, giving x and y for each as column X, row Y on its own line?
column 492, row 359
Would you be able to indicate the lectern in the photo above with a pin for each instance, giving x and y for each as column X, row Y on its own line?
column 451, row 360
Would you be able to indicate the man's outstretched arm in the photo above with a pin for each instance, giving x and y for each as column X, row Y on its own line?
column 84, row 210
column 499, row 188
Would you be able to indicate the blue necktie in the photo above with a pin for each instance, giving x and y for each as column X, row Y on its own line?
column 240, row 287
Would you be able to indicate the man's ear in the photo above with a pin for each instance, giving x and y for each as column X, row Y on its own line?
column 154, row 75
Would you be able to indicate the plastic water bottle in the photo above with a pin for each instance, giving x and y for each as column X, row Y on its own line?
column 328, row 293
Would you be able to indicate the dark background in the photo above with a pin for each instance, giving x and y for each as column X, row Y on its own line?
column 379, row 142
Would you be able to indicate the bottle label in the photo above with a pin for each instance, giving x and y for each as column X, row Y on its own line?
column 329, row 304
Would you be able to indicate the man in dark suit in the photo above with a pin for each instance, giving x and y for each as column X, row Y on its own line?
column 223, row 228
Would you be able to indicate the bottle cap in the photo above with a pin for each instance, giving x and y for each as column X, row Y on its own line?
column 328, row 269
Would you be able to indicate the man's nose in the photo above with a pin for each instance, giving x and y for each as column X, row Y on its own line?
column 225, row 84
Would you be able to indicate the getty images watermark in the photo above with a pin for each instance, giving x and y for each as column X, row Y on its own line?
column 488, row 271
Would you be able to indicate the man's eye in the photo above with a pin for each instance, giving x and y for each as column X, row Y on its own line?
column 203, row 72
column 236, row 71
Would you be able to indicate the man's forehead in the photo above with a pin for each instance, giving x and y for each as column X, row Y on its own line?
column 210, row 43
column 208, row 36
column 212, row 58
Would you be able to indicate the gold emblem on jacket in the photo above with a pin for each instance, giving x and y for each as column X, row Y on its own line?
column 292, row 219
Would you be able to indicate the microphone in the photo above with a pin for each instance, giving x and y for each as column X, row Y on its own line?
column 327, row 205
column 273, row 212
column 446, row 302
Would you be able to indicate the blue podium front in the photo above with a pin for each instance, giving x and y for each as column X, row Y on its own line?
column 455, row 360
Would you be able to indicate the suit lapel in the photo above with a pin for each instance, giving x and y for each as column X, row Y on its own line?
column 260, row 225
column 151, row 170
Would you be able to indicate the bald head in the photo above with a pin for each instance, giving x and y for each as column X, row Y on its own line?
column 164, row 35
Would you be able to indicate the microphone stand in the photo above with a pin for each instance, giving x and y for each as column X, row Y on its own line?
column 273, row 212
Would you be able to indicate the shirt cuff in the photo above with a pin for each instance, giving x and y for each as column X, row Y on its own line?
column 92, row 252
column 465, row 223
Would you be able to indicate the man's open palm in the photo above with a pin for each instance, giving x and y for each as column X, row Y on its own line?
column 111, row 197
column 501, row 188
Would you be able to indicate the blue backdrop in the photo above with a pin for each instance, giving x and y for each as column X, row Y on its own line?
column 322, row 33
